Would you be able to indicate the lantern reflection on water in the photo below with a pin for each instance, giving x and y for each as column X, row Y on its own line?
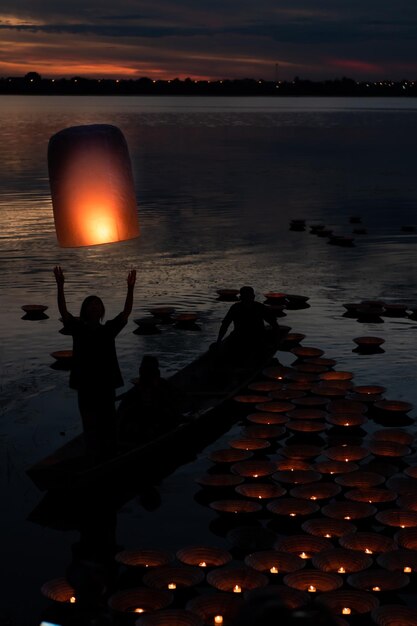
column 92, row 187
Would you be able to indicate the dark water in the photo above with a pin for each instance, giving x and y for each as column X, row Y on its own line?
column 217, row 181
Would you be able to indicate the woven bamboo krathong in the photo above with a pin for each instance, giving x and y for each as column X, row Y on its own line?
column 296, row 476
column 292, row 507
column 335, row 467
column 396, row 435
column 204, row 556
column 59, row 590
column 316, row 491
column 389, row 449
column 140, row 600
column 223, row 606
column 249, row 444
column 267, row 418
column 373, row 495
column 166, row 576
column 398, row 519
column 313, row 581
column 144, row 558
column 307, row 352
column 400, row 560
column 305, row 546
column 349, row 602
column 235, row 507
column 346, row 453
column 368, row 542
column 349, row 510
column 394, row 615
column 341, row 561
column 274, row 562
column 254, row 469
column 260, row 491
column 236, row 579
column 360, row 479
column 327, row 527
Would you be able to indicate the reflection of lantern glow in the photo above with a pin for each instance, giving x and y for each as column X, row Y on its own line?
column 274, row 570
column 346, row 610
column 92, row 186
column 237, row 589
column 311, row 589
column 218, row 619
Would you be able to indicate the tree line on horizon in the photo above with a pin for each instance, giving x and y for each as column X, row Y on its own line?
column 33, row 84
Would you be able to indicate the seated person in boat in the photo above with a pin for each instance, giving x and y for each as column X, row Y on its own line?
column 150, row 407
column 249, row 333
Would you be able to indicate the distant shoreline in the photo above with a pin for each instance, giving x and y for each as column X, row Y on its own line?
column 34, row 84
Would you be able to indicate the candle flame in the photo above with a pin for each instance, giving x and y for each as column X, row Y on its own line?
column 303, row 555
column 341, row 570
column 368, row 551
column 311, row 588
column 218, row 619
column 139, row 610
column 73, row 599
column 407, row 569
column 376, row 588
column 274, row 570
column 172, row 586
column 202, row 564
column 237, row 589
column 346, row 610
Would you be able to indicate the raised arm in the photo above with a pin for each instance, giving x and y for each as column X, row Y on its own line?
column 224, row 326
column 62, row 305
column 131, row 279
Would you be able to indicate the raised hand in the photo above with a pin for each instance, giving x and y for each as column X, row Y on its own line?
column 59, row 275
column 131, row 278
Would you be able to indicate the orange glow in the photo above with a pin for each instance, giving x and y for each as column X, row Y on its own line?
column 237, row 589
column 92, row 187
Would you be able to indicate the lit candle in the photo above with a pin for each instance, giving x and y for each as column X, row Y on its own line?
column 407, row 569
column 311, row 589
column 138, row 610
column 172, row 586
column 293, row 514
column 341, row 570
column 274, row 570
column 255, row 475
column 346, row 423
column 202, row 564
column 347, row 517
column 73, row 599
column 376, row 588
column 313, row 498
column 303, row 555
column 237, row 589
column 346, row 610
column 218, row 619
column 368, row 551
column 347, row 460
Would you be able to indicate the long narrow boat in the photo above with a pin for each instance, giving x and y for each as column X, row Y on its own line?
column 207, row 386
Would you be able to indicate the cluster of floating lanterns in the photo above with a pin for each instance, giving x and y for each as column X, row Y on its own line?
column 325, row 515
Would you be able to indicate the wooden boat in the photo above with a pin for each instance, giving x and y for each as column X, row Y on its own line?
column 207, row 386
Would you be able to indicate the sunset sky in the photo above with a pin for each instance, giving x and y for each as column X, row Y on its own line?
column 210, row 39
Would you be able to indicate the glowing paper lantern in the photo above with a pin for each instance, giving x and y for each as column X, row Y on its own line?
column 92, row 187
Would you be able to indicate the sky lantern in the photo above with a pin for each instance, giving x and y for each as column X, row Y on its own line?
column 92, row 187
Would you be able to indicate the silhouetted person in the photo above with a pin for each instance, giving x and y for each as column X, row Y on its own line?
column 95, row 372
column 248, row 317
column 150, row 406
